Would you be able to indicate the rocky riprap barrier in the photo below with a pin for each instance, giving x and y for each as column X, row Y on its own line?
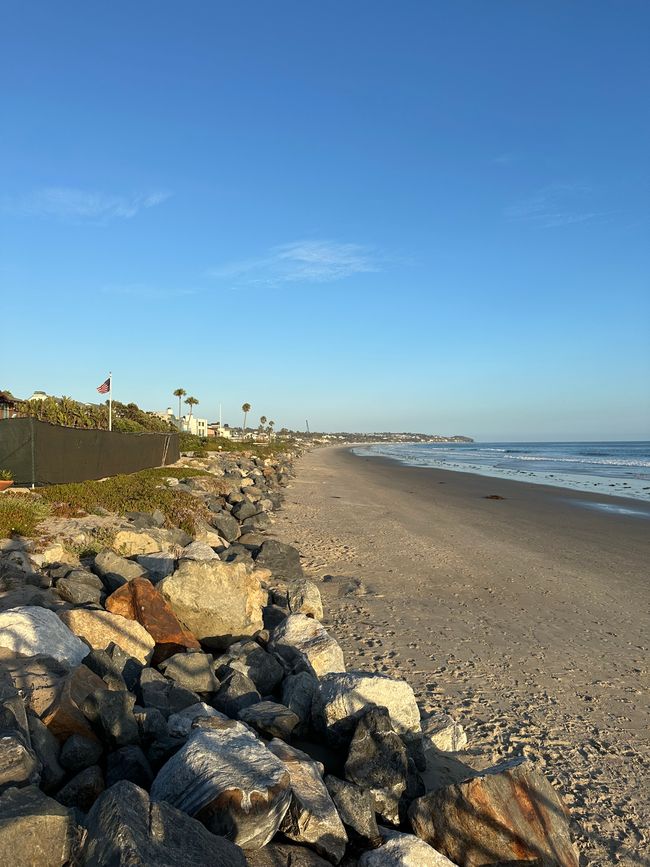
column 175, row 699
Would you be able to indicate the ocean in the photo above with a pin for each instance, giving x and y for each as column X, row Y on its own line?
column 614, row 468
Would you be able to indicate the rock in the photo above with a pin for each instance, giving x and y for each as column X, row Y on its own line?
column 252, row 542
column 100, row 662
column 19, row 765
column 35, row 831
column 192, row 670
column 509, row 813
column 299, row 693
column 126, row 829
column 237, row 554
column 270, row 719
column 305, row 645
column 146, row 520
column 403, row 850
column 345, row 697
column 235, row 693
column 444, row 733
column 230, row 781
column 205, row 533
column 63, row 715
column 378, row 763
column 140, row 601
column 83, row 790
column 151, row 723
column 311, row 818
column 245, row 510
column 285, row 855
column 79, row 753
column 53, row 553
column 157, row 566
column 129, row 543
column 218, row 602
column 47, row 750
column 128, row 666
column 199, row 551
column 154, row 690
column 128, row 763
column 256, row 663
column 115, row 570
column 101, row 628
column 13, row 714
column 226, row 526
column 303, row 597
column 179, row 725
column 112, row 714
column 80, row 588
column 356, row 809
column 30, row 596
column 283, row 560
column 34, row 631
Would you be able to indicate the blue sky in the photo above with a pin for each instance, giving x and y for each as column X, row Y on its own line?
column 373, row 215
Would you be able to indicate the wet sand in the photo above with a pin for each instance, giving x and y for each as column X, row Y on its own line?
column 524, row 617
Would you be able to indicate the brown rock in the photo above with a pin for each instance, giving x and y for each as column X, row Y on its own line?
column 510, row 813
column 139, row 600
column 63, row 717
column 101, row 628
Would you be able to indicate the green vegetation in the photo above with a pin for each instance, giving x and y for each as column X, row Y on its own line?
column 20, row 513
column 127, row 417
column 246, row 408
column 137, row 492
column 179, row 393
column 6, row 475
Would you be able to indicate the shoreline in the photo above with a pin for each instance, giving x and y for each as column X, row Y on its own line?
column 633, row 503
column 522, row 617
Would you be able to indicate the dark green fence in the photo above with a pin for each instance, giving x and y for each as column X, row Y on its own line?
column 38, row 453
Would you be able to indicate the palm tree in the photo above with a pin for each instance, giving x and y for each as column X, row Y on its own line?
column 246, row 408
column 179, row 393
column 191, row 401
column 270, row 428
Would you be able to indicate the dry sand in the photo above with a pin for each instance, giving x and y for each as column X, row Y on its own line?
column 526, row 618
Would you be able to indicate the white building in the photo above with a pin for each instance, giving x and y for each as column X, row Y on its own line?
column 196, row 426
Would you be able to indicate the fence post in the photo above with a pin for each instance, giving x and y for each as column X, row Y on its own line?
column 32, row 438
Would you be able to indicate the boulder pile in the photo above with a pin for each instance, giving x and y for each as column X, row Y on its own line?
column 177, row 700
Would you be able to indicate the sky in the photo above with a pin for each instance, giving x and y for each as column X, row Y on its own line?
column 411, row 216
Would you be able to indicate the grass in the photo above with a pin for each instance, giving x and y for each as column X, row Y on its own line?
column 202, row 447
column 137, row 492
column 20, row 513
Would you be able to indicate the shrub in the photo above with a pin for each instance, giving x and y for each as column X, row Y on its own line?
column 20, row 513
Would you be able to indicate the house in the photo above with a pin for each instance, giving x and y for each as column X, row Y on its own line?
column 38, row 395
column 215, row 429
column 7, row 405
column 196, row 426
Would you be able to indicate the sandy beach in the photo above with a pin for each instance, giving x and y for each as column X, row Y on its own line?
column 524, row 617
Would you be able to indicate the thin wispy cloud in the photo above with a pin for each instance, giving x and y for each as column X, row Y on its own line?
column 301, row 262
column 555, row 206
column 70, row 203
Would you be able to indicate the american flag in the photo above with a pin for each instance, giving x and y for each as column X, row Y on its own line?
column 105, row 387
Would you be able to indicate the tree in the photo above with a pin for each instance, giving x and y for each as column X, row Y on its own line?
column 262, row 421
column 246, row 408
column 179, row 393
column 191, row 401
column 270, row 428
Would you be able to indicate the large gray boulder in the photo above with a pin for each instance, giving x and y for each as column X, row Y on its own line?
column 303, row 597
column 357, row 811
column 345, row 697
column 32, row 631
column 378, row 763
column 403, row 850
column 250, row 659
column 218, row 602
column 115, row 570
column 35, row 831
column 126, row 829
column 228, row 779
column 19, row 765
column 305, row 645
column 509, row 813
column 283, row 560
column 312, row 817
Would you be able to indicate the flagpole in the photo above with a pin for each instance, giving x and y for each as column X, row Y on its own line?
column 110, row 401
